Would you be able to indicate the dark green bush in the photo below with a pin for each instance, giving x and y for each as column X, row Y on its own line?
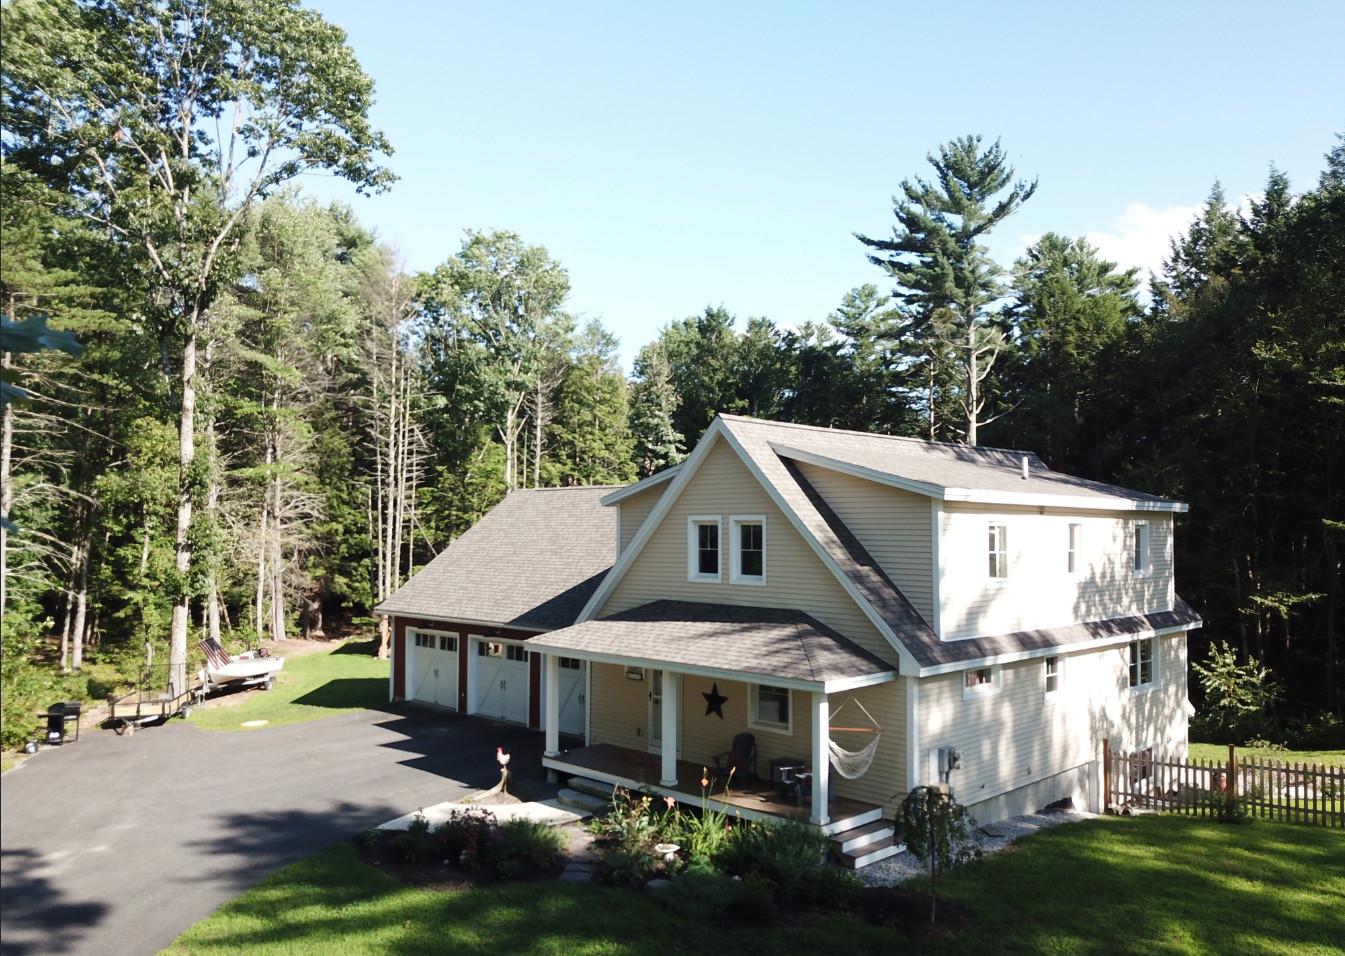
column 828, row 887
column 468, row 837
column 413, row 843
column 780, row 850
column 527, row 841
column 700, row 896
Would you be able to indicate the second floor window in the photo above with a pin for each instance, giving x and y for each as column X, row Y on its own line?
column 749, row 550
column 1141, row 549
column 1075, row 542
column 703, row 548
column 999, row 551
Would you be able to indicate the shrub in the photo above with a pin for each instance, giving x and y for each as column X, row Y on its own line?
column 527, row 841
column 468, row 837
column 413, row 843
column 779, row 850
column 828, row 887
column 701, row 896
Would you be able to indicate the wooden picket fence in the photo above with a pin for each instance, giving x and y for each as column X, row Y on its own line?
column 1295, row 793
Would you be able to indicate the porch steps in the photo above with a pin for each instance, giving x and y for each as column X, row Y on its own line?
column 866, row 844
column 593, row 788
column 587, row 796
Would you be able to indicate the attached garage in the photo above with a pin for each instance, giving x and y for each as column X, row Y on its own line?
column 461, row 625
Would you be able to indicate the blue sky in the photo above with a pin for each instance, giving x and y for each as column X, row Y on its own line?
column 674, row 156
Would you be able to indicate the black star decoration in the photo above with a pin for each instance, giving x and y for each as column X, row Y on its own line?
column 714, row 701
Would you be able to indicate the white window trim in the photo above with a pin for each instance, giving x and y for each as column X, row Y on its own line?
column 735, row 550
column 981, row 690
column 1153, row 666
column 754, row 708
column 693, row 547
column 990, row 581
column 1141, row 534
column 1074, row 549
column 1053, row 695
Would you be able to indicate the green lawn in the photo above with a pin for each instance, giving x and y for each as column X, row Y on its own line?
column 346, row 679
column 1219, row 752
column 1164, row 885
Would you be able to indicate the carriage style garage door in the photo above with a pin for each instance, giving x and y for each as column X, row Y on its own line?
column 434, row 668
column 500, row 684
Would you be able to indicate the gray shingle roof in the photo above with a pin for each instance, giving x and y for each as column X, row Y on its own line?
column 772, row 642
column 953, row 469
column 760, row 440
column 532, row 562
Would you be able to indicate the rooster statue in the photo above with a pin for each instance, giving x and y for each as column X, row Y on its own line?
column 503, row 759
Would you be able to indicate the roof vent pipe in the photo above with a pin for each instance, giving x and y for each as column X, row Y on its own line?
column 1025, row 467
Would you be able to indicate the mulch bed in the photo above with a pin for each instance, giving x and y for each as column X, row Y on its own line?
column 902, row 910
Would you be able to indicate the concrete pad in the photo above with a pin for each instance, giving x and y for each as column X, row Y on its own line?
column 549, row 812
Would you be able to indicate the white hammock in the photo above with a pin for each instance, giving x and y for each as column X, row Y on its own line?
column 852, row 764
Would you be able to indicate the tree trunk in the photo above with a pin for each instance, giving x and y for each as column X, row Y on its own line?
column 973, row 385
column 177, row 646
column 6, row 484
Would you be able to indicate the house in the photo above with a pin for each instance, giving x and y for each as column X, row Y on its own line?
column 884, row 612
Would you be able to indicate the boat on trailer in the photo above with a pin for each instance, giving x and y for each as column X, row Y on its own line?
column 249, row 669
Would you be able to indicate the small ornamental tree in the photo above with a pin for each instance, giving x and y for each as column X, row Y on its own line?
column 939, row 831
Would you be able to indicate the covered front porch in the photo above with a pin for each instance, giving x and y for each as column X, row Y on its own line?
column 768, row 672
column 757, row 799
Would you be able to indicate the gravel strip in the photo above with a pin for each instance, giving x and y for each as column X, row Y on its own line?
column 903, row 866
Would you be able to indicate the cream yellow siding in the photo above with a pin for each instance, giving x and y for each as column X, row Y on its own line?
column 1039, row 591
column 794, row 575
column 635, row 509
column 894, row 526
column 1016, row 736
column 619, row 715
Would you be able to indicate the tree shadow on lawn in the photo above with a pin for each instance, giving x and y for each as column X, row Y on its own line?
column 38, row 918
column 345, row 693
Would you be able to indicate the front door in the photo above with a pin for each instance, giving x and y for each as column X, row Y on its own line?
column 573, row 674
column 656, row 711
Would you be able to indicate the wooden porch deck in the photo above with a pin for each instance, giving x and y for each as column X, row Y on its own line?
column 638, row 770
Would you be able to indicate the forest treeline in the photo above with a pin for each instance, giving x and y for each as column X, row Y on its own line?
column 271, row 424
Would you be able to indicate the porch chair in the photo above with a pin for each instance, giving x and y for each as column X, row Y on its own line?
column 741, row 760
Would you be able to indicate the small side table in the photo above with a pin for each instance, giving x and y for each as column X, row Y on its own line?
column 783, row 770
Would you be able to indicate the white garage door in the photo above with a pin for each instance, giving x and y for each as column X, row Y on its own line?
column 501, row 681
column 434, row 667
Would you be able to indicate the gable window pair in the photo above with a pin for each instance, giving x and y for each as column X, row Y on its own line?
column 747, row 548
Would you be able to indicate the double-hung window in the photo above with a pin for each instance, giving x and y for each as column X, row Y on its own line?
column 999, row 552
column 1140, row 556
column 703, row 548
column 1053, row 674
column 769, row 708
column 1075, row 545
column 747, row 549
column 1141, row 663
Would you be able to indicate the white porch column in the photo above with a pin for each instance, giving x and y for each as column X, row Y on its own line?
column 672, row 703
column 821, row 758
column 551, row 720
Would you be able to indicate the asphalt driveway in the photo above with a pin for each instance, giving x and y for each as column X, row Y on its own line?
column 112, row 846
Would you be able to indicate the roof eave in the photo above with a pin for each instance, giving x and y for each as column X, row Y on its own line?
column 1093, row 644
column 644, row 484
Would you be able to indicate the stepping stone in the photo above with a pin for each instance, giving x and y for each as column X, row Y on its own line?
column 991, row 830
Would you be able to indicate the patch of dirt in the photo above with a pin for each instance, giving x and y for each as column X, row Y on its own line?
column 908, row 911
